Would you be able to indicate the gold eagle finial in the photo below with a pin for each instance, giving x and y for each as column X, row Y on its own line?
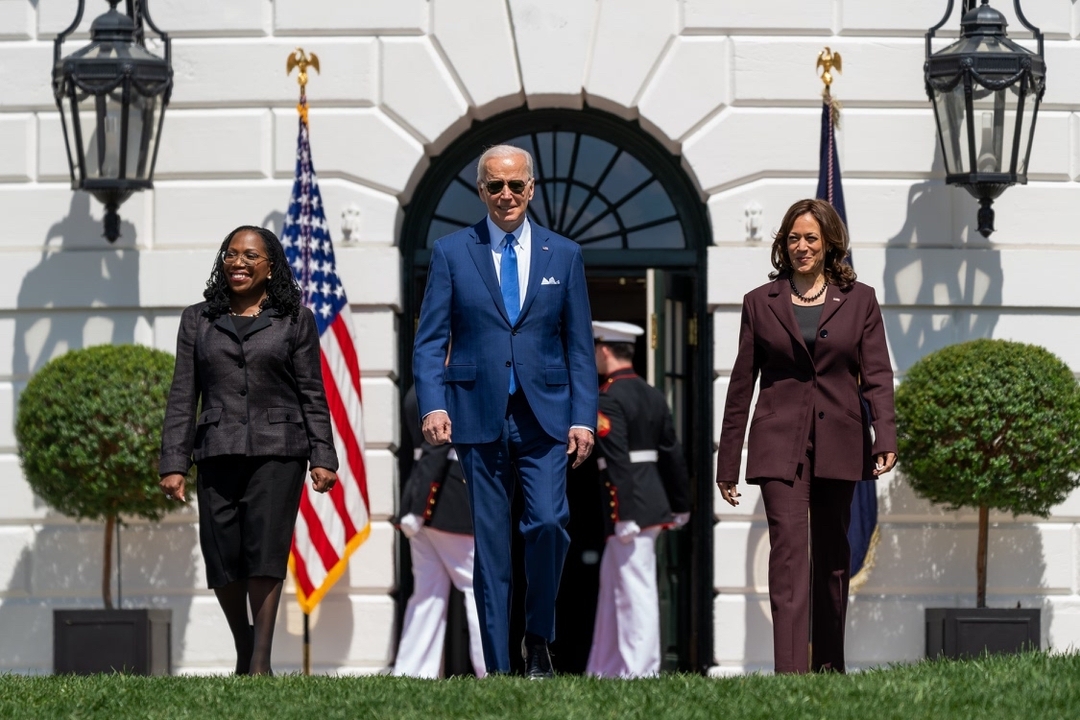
column 300, row 59
column 828, row 61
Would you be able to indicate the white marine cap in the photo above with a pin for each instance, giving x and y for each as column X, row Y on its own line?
column 615, row 332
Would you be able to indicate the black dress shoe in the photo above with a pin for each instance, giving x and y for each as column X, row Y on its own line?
column 534, row 650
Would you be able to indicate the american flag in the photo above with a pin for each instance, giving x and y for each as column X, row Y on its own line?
column 330, row 526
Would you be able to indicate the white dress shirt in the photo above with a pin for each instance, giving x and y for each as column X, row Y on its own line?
column 522, row 246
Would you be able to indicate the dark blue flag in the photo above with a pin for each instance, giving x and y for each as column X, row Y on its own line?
column 862, row 534
column 829, row 186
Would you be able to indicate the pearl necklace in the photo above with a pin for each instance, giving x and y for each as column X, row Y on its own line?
column 255, row 314
column 804, row 298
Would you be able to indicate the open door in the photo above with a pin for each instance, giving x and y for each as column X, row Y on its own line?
column 661, row 302
column 672, row 339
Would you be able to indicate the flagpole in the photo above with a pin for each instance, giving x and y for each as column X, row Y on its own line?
column 299, row 59
column 307, row 644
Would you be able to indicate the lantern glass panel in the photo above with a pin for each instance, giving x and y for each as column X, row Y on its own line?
column 951, row 116
column 143, row 117
column 995, row 128
column 99, row 122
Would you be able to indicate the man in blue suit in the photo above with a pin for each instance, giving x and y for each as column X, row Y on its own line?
column 519, row 388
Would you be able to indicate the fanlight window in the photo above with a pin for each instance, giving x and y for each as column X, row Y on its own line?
column 587, row 189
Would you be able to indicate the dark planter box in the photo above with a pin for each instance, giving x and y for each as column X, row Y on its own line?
column 137, row 642
column 969, row 632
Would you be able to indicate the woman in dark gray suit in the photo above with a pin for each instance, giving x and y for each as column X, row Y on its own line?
column 247, row 361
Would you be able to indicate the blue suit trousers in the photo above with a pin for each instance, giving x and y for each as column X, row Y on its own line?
column 523, row 454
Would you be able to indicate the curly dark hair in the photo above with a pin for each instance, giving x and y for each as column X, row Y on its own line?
column 838, row 270
column 282, row 292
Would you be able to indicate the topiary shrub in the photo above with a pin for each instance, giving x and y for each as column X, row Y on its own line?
column 89, row 434
column 990, row 424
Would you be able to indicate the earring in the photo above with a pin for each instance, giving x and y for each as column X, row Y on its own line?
column 269, row 275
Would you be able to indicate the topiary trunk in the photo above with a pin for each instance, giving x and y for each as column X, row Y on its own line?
column 106, row 567
column 980, row 559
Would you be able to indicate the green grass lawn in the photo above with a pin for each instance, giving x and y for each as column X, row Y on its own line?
column 1027, row 687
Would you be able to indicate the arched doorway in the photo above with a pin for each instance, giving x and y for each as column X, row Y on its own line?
column 643, row 229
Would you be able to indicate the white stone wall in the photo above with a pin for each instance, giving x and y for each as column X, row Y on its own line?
column 728, row 85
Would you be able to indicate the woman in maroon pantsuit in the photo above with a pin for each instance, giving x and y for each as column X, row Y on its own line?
column 815, row 337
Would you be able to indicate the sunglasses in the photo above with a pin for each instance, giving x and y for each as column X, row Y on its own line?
column 494, row 187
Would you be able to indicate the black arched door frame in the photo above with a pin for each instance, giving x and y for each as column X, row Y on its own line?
column 691, row 211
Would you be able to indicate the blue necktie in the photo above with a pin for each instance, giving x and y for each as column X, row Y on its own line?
column 508, row 270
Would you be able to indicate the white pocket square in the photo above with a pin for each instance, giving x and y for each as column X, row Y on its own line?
column 549, row 281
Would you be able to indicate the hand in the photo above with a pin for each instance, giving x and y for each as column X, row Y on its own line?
column 580, row 445
column 173, row 486
column 626, row 531
column 680, row 519
column 322, row 479
column 437, row 427
column 730, row 492
column 883, row 463
column 410, row 525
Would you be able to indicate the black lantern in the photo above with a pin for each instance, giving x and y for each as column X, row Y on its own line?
column 986, row 91
column 112, row 96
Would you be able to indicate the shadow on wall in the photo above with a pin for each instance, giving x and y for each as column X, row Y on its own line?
column 943, row 280
column 58, row 297
column 274, row 221
column 83, row 292
column 943, row 285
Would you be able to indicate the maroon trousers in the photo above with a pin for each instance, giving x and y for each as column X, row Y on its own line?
column 809, row 569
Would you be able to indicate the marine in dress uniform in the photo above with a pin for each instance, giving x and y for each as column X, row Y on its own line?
column 644, row 489
column 435, row 517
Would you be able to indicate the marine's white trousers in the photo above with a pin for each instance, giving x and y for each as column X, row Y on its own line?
column 438, row 559
column 626, row 636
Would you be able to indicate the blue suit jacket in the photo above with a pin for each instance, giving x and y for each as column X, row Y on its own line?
column 550, row 346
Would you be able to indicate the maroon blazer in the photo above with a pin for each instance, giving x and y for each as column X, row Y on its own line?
column 799, row 392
